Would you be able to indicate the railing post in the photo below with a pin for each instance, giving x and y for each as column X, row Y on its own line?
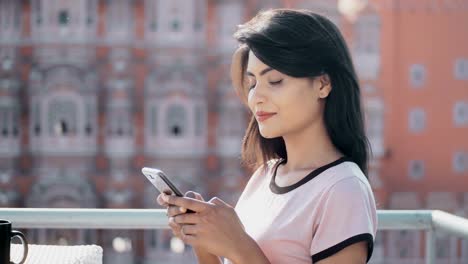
column 430, row 246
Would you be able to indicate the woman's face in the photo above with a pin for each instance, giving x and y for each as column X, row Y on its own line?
column 283, row 105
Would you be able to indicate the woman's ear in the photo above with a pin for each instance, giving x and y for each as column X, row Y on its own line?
column 325, row 85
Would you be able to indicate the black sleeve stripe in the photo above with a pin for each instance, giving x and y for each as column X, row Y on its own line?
column 354, row 239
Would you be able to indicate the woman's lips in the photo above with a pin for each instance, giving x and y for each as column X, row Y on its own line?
column 262, row 116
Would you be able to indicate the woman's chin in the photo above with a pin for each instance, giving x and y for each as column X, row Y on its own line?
column 268, row 134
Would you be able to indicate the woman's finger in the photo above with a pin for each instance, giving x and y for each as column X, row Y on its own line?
column 186, row 202
column 175, row 210
column 160, row 201
column 189, row 229
column 187, row 219
column 217, row 201
column 174, row 226
column 189, row 239
column 194, row 195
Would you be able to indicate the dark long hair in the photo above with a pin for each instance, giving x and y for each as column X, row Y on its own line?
column 300, row 43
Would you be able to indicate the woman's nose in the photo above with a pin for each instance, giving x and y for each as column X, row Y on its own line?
column 259, row 94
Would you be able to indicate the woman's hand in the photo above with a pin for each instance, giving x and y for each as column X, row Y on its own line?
column 172, row 211
column 214, row 227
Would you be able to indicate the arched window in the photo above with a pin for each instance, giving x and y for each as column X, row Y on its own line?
column 176, row 121
column 62, row 118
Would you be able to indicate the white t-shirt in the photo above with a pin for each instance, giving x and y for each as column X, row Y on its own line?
column 329, row 209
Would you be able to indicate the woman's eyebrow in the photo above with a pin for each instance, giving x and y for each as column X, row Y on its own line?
column 263, row 72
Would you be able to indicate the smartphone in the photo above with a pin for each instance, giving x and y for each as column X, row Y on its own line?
column 162, row 182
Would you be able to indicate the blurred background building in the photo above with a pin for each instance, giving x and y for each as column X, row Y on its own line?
column 93, row 90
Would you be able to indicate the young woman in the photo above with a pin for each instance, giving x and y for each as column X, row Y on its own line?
column 308, row 200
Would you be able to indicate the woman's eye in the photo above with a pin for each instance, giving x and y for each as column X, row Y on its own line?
column 277, row 82
column 252, row 85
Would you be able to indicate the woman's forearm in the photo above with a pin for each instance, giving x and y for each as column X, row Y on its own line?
column 204, row 257
column 249, row 252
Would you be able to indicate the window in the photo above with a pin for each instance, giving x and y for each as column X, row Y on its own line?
column 150, row 15
column 9, row 15
column 405, row 243
column 153, row 25
column 461, row 69
column 375, row 124
column 154, row 120
column 91, row 8
column 199, row 15
column 152, row 238
column 119, row 123
column 230, row 15
column 199, row 120
column 416, row 169
column 460, row 113
column 442, row 246
column 37, row 12
column 4, row 122
column 89, row 118
column 15, row 122
column 9, row 121
column 417, row 120
column 175, row 26
column 119, row 18
column 367, row 31
column 417, row 75
column 62, row 117
column 232, row 121
column 7, row 63
column 460, row 162
column 176, row 121
column 36, row 119
column 63, row 17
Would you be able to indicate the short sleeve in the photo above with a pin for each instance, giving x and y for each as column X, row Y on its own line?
column 347, row 215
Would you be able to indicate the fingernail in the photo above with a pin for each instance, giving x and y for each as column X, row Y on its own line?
column 182, row 209
column 190, row 194
column 164, row 197
column 171, row 219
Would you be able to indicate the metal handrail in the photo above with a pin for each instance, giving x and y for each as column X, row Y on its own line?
column 70, row 218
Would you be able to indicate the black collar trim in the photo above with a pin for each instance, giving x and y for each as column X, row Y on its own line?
column 284, row 189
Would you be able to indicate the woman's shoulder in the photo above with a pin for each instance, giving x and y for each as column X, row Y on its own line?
column 349, row 181
column 342, row 182
column 347, row 171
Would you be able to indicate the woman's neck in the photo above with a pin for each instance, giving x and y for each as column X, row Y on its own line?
column 309, row 148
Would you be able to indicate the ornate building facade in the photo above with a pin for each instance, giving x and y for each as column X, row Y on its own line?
column 93, row 90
